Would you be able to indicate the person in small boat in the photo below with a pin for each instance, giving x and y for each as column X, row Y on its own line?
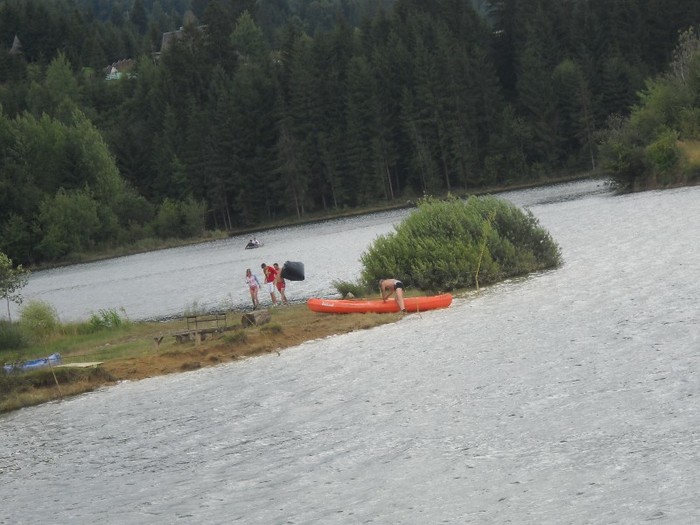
column 390, row 286
column 253, row 286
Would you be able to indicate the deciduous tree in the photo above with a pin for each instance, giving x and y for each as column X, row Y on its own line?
column 12, row 280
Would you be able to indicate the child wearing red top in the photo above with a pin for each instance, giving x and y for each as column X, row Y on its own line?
column 270, row 276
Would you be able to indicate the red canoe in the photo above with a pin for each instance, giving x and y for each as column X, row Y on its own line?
column 360, row 306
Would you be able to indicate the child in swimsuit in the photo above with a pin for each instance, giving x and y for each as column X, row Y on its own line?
column 253, row 286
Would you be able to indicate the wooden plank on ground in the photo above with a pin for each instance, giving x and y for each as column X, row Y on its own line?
column 80, row 365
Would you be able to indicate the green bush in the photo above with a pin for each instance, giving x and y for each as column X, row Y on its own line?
column 457, row 244
column 193, row 215
column 622, row 153
column 104, row 320
column 689, row 123
column 180, row 219
column 663, row 155
column 345, row 287
column 661, row 103
column 167, row 222
column 69, row 223
column 11, row 336
column 39, row 320
column 133, row 209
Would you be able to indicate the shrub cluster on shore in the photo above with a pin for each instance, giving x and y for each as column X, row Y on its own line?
column 39, row 326
column 449, row 244
column 38, row 333
column 657, row 145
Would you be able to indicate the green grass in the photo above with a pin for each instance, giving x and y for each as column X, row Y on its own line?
column 74, row 343
column 236, row 337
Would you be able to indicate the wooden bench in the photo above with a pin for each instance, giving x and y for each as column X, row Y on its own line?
column 199, row 326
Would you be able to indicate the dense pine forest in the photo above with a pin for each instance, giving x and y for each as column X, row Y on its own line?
column 123, row 120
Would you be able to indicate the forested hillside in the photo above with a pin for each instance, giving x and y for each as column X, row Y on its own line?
column 129, row 119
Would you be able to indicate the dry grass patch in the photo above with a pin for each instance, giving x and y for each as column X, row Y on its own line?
column 131, row 352
column 690, row 151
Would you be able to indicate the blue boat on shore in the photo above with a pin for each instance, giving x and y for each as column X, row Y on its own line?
column 34, row 364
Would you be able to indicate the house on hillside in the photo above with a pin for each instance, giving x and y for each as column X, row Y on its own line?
column 118, row 69
column 171, row 37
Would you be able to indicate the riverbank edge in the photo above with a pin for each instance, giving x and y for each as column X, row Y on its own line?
column 289, row 326
column 215, row 235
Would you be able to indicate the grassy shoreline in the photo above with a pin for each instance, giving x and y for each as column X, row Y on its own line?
column 130, row 352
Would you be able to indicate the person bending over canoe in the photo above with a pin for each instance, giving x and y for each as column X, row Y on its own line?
column 388, row 287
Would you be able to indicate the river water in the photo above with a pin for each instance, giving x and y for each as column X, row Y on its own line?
column 569, row 396
column 209, row 276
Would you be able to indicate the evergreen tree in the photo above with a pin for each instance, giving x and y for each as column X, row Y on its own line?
column 508, row 20
column 392, row 67
column 300, row 106
column 364, row 166
column 58, row 95
column 219, row 23
column 331, row 176
column 220, row 156
column 301, row 110
column 138, row 16
column 536, row 95
column 575, row 109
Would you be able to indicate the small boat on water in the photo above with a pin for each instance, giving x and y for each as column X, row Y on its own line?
column 251, row 245
column 34, row 364
column 351, row 306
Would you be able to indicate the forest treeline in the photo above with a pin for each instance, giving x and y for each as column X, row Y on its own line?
column 256, row 111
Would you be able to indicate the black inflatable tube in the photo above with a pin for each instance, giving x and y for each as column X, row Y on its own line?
column 293, row 271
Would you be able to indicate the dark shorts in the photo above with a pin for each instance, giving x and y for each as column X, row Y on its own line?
column 398, row 285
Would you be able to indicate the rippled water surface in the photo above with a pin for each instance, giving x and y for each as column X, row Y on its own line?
column 211, row 275
column 569, row 396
